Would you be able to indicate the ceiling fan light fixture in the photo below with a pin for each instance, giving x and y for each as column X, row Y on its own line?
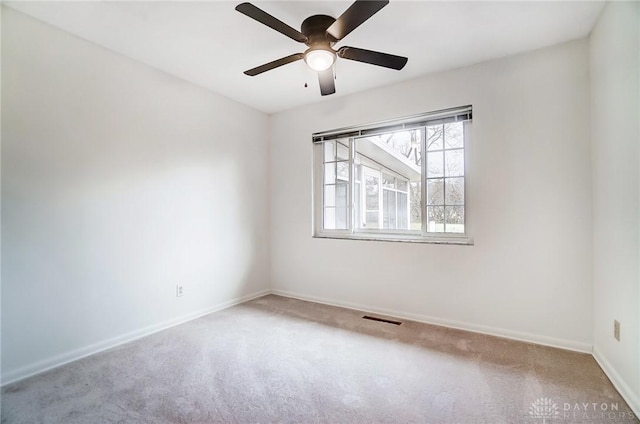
column 320, row 59
column 319, row 33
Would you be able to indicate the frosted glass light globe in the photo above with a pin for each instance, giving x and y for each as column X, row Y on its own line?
column 319, row 60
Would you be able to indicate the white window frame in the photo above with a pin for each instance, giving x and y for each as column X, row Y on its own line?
column 387, row 234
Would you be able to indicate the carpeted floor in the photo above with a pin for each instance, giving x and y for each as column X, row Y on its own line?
column 282, row 360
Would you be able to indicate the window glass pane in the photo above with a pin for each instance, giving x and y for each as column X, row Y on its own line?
column 454, row 189
column 329, row 173
column 415, row 205
column 330, row 195
column 389, row 209
column 371, row 220
column 380, row 171
column 343, row 170
column 435, row 164
column 453, row 135
column 454, row 216
column 403, row 211
column 341, row 219
column 435, row 192
column 400, row 141
column 434, row 137
column 435, row 219
column 342, row 190
column 388, row 181
column 358, row 221
column 343, row 151
column 407, row 143
column 329, row 151
column 454, row 163
column 415, row 152
column 330, row 218
column 372, row 192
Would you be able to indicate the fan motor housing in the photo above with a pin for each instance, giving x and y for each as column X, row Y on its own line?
column 315, row 28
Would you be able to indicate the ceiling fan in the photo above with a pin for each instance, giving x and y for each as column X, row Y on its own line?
column 320, row 33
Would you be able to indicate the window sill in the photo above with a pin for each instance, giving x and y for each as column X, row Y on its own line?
column 402, row 238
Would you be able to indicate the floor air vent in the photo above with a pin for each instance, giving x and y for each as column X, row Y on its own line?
column 388, row 321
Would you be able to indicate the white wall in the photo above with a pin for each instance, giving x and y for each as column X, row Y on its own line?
column 118, row 182
column 615, row 73
column 529, row 274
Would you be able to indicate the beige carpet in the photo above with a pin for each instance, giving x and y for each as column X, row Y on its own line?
column 281, row 360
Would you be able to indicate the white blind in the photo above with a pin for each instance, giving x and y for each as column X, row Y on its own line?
column 458, row 114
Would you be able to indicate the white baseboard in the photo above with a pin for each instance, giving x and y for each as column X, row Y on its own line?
column 633, row 399
column 56, row 361
column 50, row 363
column 476, row 328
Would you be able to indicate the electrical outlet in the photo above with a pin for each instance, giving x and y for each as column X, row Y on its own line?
column 179, row 291
column 616, row 330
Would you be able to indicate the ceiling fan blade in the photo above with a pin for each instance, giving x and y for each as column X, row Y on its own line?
column 354, row 16
column 268, row 20
column 327, row 82
column 275, row 64
column 374, row 58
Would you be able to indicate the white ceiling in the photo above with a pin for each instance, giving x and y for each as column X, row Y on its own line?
column 210, row 44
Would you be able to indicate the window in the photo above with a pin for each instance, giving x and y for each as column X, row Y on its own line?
column 398, row 180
